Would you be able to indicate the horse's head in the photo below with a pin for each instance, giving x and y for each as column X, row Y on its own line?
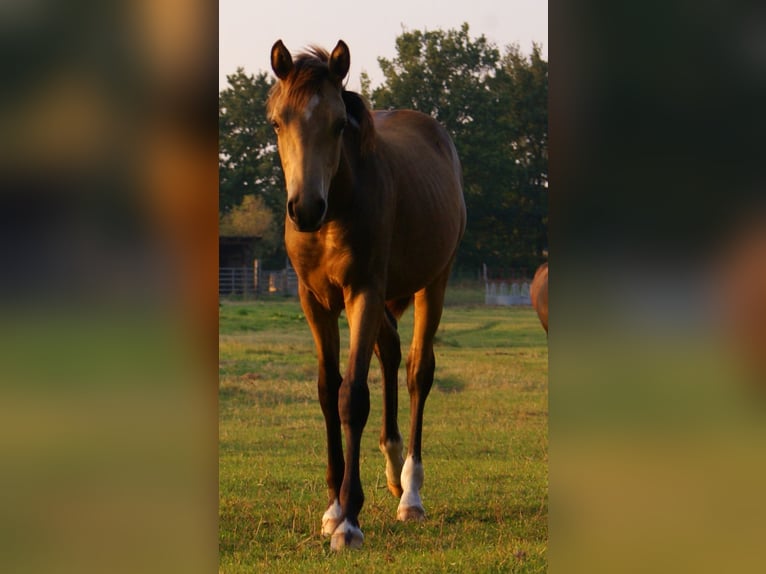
column 308, row 114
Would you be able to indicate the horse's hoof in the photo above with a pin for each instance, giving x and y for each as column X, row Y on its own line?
column 411, row 514
column 331, row 518
column 346, row 536
column 395, row 489
column 328, row 526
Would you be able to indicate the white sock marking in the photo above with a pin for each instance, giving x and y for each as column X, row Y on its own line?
column 330, row 518
column 412, row 482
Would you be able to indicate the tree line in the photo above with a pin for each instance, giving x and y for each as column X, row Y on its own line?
column 494, row 104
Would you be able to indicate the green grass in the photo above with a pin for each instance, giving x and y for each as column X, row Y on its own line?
column 484, row 448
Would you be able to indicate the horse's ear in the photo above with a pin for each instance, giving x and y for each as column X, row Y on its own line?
column 281, row 61
column 340, row 60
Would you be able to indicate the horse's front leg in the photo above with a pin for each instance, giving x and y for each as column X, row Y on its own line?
column 364, row 311
column 324, row 328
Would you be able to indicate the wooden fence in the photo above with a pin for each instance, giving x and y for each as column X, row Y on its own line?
column 253, row 282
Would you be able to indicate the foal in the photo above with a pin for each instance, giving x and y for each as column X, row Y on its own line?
column 375, row 213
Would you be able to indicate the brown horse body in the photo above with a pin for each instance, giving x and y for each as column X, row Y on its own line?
column 375, row 213
column 538, row 292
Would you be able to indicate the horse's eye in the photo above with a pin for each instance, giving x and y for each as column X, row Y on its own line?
column 275, row 125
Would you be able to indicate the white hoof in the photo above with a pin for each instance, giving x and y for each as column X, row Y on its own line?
column 331, row 518
column 346, row 536
column 410, row 513
column 410, row 508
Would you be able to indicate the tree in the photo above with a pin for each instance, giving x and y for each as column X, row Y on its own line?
column 248, row 164
column 439, row 73
column 522, row 86
column 251, row 219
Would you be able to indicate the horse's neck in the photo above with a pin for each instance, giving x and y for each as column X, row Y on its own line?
column 342, row 184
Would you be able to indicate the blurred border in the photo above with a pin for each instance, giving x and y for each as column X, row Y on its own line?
column 658, row 287
column 108, row 294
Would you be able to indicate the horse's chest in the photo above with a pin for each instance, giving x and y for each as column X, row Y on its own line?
column 326, row 264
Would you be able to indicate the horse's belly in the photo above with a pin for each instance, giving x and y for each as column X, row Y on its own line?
column 415, row 264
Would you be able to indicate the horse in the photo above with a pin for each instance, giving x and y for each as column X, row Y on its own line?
column 374, row 216
column 538, row 292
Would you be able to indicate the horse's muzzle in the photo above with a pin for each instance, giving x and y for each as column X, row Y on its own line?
column 307, row 216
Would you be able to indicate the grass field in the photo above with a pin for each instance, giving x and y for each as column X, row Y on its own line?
column 485, row 445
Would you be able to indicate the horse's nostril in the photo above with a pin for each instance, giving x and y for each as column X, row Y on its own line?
column 306, row 213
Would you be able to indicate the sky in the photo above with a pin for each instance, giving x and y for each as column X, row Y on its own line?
column 248, row 28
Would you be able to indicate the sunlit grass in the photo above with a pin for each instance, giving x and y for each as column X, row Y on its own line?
column 485, row 448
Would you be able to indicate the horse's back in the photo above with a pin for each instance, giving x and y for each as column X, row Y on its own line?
column 419, row 143
column 430, row 213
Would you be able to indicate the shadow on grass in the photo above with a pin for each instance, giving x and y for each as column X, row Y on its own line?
column 449, row 384
column 464, row 337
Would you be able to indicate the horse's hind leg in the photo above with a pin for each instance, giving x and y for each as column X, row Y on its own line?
column 420, row 377
column 388, row 351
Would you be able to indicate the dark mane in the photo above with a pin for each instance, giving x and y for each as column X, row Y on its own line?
column 360, row 121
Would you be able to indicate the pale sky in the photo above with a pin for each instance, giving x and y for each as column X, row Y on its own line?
column 248, row 28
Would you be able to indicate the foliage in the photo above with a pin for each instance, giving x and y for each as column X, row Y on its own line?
column 251, row 218
column 247, row 160
column 438, row 73
column 522, row 88
column 485, row 448
column 493, row 103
